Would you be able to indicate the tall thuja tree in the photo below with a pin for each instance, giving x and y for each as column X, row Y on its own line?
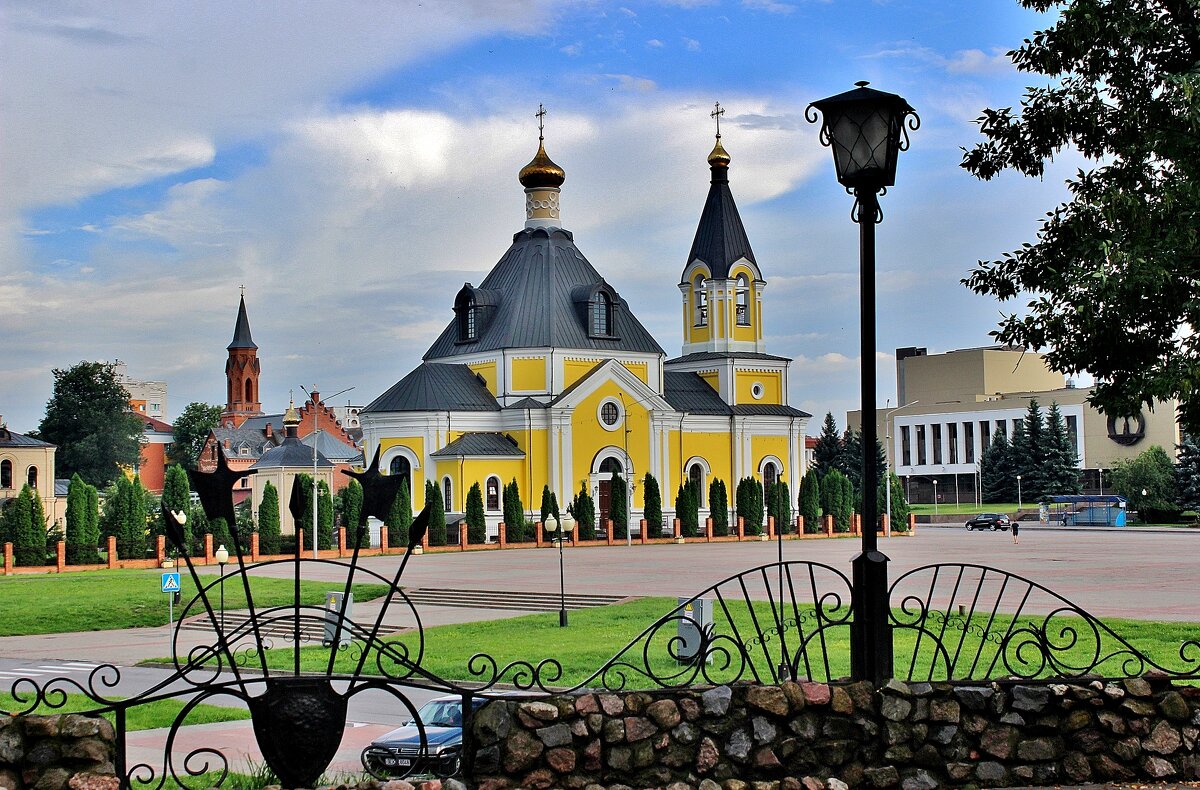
column 618, row 506
column 687, row 510
column 81, row 546
column 476, row 522
column 400, row 517
column 544, row 510
column 324, row 516
column 583, row 508
column 134, row 530
column 810, row 501
column 1187, row 474
column 1060, row 461
column 199, row 528
column 514, row 510
column 995, row 470
column 779, row 505
column 750, row 505
column 176, row 497
column 115, row 521
column 29, row 541
column 718, row 506
column 900, row 509
column 829, row 447
column 303, row 483
column 351, row 498
column 836, row 499
column 268, row 520
column 437, row 514
column 92, row 537
column 652, row 506
column 849, row 460
column 1020, row 458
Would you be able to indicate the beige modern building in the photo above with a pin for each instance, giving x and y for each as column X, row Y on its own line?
column 950, row 404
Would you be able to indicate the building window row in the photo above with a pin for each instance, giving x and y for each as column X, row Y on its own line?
column 6, row 475
column 959, row 440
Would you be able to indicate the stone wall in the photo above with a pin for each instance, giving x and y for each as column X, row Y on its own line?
column 55, row 752
column 813, row 735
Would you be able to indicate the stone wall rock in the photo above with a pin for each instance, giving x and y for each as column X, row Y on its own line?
column 817, row 736
column 63, row 752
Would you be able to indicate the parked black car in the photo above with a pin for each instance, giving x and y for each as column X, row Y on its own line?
column 399, row 752
column 992, row 521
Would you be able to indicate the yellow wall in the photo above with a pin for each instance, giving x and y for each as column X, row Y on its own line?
column 417, row 445
column 575, row 369
column 488, row 371
column 588, row 437
column 529, row 374
column 772, row 383
column 712, row 447
column 638, row 369
column 713, row 379
column 762, row 446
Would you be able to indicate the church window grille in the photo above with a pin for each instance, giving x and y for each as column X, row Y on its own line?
column 6, row 474
column 610, row 465
column 493, row 493
column 610, row 413
column 33, row 476
column 696, row 481
column 601, row 315
column 447, row 495
column 770, row 476
column 401, row 466
column 468, row 318
column 743, row 300
column 700, row 299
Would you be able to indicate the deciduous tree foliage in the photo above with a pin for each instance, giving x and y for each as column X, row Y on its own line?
column 1152, row 472
column 190, row 430
column 89, row 418
column 1113, row 271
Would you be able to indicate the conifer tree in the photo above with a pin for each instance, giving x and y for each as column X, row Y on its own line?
column 29, row 542
column 652, row 507
column 400, row 517
column 900, row 508
column 304, row 483
column 78, row 550
column 995, row 469
column 544, row 509
column 324, row 515
column 584, row 511
column 718, row 506
column 618, row 506
column 352, row 500
column 437, row 515
column 1060, row 461
column 829, row 447
column 837, row 494
column 476, row 522
column 780, row 505
column 268, row 521
column 810, row 501
column 514, row 510
column 135, row 524
column 687, row 510
column 92, row 537
column 116, row 515
column 1187, row 474
column 176, row 497
column 221, row 536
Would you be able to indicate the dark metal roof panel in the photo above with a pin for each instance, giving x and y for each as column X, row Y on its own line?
column 13, row 439
column 291, row 453
column 720, row 237
column 436, row 387
column 768, row 410
column 333, row 448
column 706, row 356
column 535, row 278
column 527, row 403
column 241, row 332
column 689, row 393
column 480, row 444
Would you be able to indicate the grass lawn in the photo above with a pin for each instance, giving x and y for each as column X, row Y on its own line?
column 596, row 635
column 150, row 716
column 968, row 508
column 103, row 600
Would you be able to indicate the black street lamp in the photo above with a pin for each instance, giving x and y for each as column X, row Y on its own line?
column 221, row 555
column 562, row 577
column 867, row 129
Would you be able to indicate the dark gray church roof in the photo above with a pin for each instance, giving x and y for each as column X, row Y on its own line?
column 291, row 453
column 720, row 237
column 527, row 403
column 436, row 387
column 480, row 444
column 768, row 410
column 707, row 356
column 689, row 393
column 532, row 286
column 241, row 332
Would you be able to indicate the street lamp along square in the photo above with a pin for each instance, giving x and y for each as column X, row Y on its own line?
column 867, row 129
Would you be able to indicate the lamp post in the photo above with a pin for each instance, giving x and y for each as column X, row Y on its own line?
column 935, row 498
column 866, row 130
column 562, row 577
column 1019, row 502
column 1101, row 470
column 221, row 555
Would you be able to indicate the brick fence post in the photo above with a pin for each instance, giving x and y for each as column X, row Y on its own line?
column 60, row 556
column 537, row 534
column 502, row 534
column 208, row 548
column 887, row 526
column 254, row 546
column 464, row 535
column 828, row 519
column 341, row 542
column 383, row 539
column 160, row 548
column 741, row 527
column 677, row 529
column 644, row 536
column 608, row 530
column 770, row 527
column 799, row 526
column 425, row 541
column 112, row 550
column 708, row 528
column 300, row 542
column 912, row 523
column 8, row 559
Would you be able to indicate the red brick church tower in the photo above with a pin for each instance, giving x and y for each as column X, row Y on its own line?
column 241, row 374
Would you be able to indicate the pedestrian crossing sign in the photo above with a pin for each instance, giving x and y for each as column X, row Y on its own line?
column 170, row 582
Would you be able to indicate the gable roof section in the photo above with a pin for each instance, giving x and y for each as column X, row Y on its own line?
column 713, row 356
column 13, row 439
column 688, row 393
column 768, row 410
column 436, row 387
column 720, row 237
column 533, row 283
column 475, row 445
column 333, row 448
column 292, row 453
column 611, row 370
column 241, row 332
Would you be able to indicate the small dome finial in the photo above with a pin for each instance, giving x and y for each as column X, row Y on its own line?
column 541, row 172
column 291, row 416
column 718, row 157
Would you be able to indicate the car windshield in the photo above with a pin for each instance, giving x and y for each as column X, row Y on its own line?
column 987, row 515
column 441, row 713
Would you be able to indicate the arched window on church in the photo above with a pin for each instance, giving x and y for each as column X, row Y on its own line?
column 700, row 301
column 601, row 314
column 696, row 480
column 447, row 495
column 770, row 476
column 229, row 394
column 493, row 493
column 743, row 300
column 6, row 474
column 249, row 391
column 467, row 316
column 401, row 466
column 33, row 475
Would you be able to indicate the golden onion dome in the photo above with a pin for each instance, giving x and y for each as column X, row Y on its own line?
column 541, row 172
column 719, row 157
column 291, row 416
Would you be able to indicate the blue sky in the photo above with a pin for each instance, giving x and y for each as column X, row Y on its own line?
column 353, row 164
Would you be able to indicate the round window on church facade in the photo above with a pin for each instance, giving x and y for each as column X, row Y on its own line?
column 610, row 414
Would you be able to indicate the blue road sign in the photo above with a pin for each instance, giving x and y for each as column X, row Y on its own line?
column 170, row 582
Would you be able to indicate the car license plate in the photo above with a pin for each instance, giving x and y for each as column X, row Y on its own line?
column 397, row 761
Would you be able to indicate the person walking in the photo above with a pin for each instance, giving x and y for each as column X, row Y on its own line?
column 1016, row 531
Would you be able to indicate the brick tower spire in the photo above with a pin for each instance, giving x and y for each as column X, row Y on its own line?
column 241, row 373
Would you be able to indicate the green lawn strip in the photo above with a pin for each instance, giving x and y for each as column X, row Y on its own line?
column 104, row 600
column 595, row 635
column 147, row 716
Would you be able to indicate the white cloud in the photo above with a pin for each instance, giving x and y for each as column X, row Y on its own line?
column 976, row 61
column 573, row 50
column 691, row 44
column 770, row 6
column 654, row 42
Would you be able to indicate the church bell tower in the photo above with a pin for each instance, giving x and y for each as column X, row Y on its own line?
column 241, row 373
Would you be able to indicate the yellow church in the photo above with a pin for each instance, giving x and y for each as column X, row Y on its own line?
column 544, row 376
